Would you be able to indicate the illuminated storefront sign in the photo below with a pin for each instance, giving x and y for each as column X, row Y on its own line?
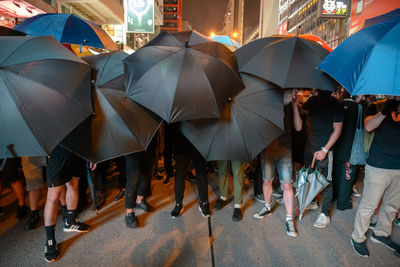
column 334, row 8
column 140, row 16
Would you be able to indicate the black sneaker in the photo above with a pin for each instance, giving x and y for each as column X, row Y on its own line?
column 177, row 211
column 120, row 195
column 167, row 180
column 264, row 211
column 360, row 248
column 259, row 198
column 21, row 212
column 76, row 226
column 50, row 251
column 32, row 221
column 144, row 206
column 290, row 228
column 204, row 208
column 220, row 204
column 237, row 214
column 386, row 241
column 131, row 220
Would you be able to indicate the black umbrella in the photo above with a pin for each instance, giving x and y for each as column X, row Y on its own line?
column 182, row 76
column 120, row 126
column 248, row 124
column 4, row 31
column 44, row 94
column 289, row 62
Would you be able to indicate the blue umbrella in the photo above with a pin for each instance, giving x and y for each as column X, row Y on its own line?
column 226, row 40
column 381, row 18
column 368, row 62
column 69, row 29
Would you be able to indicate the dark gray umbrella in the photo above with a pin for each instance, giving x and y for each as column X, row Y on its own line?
column 44, row 94
column 182, row 76
column 289, row 62
column 120, row 126
column 248, row 124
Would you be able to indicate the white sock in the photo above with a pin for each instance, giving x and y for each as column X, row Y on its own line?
column 268, row 206
column 238, row 206
column 289, row 217
column 223, row 198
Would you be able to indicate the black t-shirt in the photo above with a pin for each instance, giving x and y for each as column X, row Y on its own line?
column 323, row 111
column 385, row 147
column 344, row 144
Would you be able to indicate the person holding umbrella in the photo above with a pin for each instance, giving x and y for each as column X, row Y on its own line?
column 326, row 119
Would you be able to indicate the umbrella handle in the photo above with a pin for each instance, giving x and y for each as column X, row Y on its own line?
column 312, row 163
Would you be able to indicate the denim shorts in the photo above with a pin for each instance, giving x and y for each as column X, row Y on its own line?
column 283, row 165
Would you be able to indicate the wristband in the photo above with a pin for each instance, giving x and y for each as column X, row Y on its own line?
column 324, row 149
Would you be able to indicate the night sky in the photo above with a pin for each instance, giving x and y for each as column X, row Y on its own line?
column 205, row 16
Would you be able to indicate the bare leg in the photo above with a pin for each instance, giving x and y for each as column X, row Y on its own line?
column 288, row 198
column 267, row 191
column 51, row 207
column 72, row 193
column 63, row 196
column 34, row 197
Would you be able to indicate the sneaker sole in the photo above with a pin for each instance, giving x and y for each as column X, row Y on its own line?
column 203, row 213
column 51, row 261
column 261, row 217
column 373, row 239
column 180, row 213
column 75, row 230
column 352, row 245
column 292, row 234
column 321, row 226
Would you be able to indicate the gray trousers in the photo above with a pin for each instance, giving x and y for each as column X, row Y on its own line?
column 378, row 184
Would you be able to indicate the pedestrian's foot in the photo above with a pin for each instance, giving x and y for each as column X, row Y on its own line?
column 237, row 215
column 167, row 180
column 21, row 212
column 204, row 208
column 131, row 220
column 322, row 221
column 277, row 193
column 355, row 192
column 290, row 228
column 313, row 205
column 220, row 204
column 386, row 241
column 177, row 211
column 264, row 211
column 144, row 206
column 76, row 226
column 157, row 174
column 280, row 200
column 32, row 221
column 259, row 198
column 120, row 195
column 51, row 251
column 360, row 248
column 347, row 206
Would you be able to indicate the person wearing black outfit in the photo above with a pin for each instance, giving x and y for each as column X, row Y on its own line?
column 168, row 152
column 326, row 118
column 139, row 168
column 63, row 170
column 120, row 161
column 345, row 174
column 184, row 152
column 382, row 178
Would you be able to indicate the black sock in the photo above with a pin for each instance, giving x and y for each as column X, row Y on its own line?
column 71, row 215
column 50, row 232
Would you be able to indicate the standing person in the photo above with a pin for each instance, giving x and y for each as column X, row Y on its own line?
column 279, row 155
column 184, row 152
column 237, row 167
column 326, row 119
column 139, row 168
column 345, row 174
column 63, row 170
column 382, row 178
column 169, row 138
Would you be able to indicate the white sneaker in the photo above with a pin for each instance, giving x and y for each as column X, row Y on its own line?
column 322, row 221
column 355, row 192
column 313, row 206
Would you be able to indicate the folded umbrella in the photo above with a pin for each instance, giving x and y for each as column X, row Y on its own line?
column 248, row 124
column 287, row 62
column 67, row 28
column 119, row 125
column 44, row 94
column 182, row 76
column 368, row 62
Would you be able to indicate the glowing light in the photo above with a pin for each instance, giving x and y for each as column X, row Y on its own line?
column 212, row 34
column 235, row 34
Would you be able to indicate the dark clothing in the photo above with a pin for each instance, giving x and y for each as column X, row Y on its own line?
column 344, row 144
column 10, row 173
column 169, row 138
column 322, row 112
column 282, row 146
column 343, row 186
column 258, row 180
column 120, row 161
column 62, row 165
column 299, row 141
column 101, row 176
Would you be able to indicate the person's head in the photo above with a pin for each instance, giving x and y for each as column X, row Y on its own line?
column 287, row 96
column 323, row 94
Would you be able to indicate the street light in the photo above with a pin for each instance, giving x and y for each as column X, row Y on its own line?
column 235, row 34
column 212, row 34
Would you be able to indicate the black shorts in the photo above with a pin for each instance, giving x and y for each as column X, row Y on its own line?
column 62, row 165
column 10, row 172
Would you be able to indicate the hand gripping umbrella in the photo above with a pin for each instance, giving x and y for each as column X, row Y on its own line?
column 182, row 76
column 69, row 29
column 368, row 62
column 287, row 62
column 248, row 124
column 44, row 94
column 120, row 126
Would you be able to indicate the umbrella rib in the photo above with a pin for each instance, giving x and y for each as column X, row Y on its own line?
column 102, row 69
column 17, row 48
column 241, row 131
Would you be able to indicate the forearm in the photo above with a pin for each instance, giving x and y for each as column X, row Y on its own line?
column 298, row 122
column 333, row 138
column 373, row 122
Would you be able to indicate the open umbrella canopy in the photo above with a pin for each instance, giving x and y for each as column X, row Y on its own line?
column 182, row 76
column 44, row 94
column 248, row 124
column 368, row 62
column 119, row 126
column 227, row 41
column 4, row 31
column 384, row 17
column 67, row 28
column 287, row 62
column 310, row 37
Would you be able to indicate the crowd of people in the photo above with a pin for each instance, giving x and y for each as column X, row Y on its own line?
column 318, row 126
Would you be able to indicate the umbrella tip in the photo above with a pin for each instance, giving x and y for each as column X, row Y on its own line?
column 187, row 43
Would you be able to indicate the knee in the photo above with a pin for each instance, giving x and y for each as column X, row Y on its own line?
column 53, row 195
column 268, row 183
column 73, row 184
column 287, row 188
